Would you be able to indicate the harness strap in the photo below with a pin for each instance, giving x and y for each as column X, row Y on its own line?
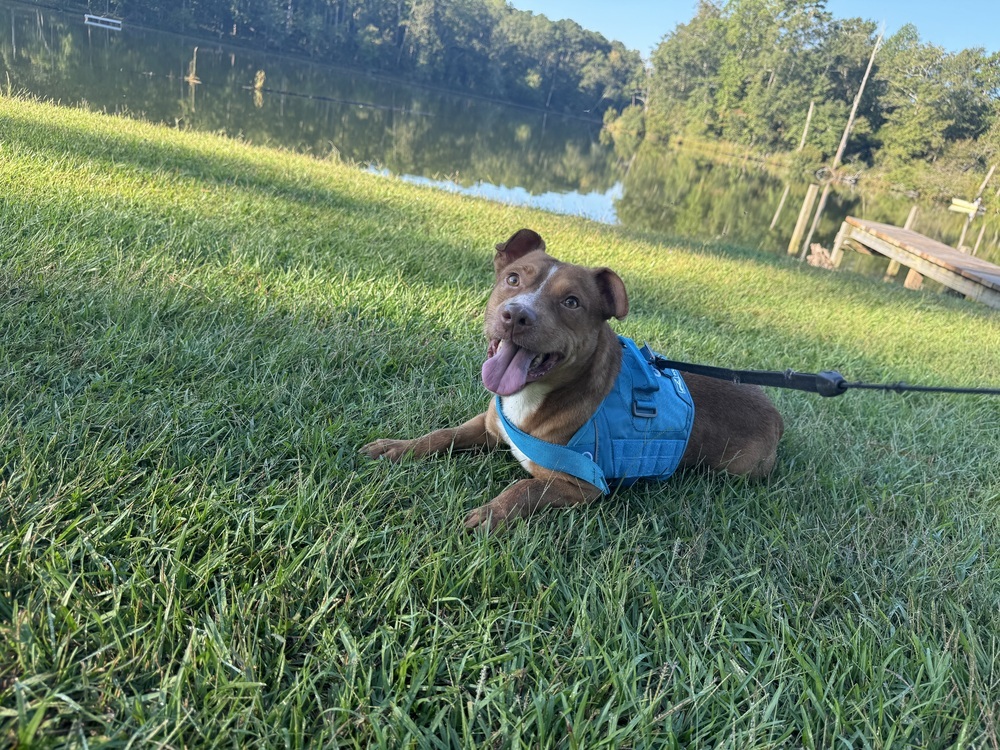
column 644, row 385
column 553, row 456
column 826, row 383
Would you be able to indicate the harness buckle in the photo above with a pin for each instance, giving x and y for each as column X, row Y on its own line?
column 644, row 409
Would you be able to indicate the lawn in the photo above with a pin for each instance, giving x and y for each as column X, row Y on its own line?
column 198, row 335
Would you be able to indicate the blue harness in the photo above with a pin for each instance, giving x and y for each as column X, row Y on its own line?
column 639, row 431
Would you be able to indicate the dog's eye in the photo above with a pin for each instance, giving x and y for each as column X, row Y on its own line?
column 571, row 302
column 513, row 279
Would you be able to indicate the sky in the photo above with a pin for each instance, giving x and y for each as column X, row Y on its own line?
column 641, row 24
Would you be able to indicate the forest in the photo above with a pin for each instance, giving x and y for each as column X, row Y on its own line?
column 753, row 73
column 746, row 71
column 484, row 47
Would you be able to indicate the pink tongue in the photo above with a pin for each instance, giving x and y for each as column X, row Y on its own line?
column 506, row 372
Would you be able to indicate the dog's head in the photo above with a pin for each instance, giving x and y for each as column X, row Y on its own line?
column 544, row 316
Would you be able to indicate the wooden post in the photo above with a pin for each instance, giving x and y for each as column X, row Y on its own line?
column 986, row 182
column 815, row 221
column 800, row 225
column 913, row 279
column 965, row 228
column 979, row 240
column 854, row 107
column 805, row 130
column 837, row 254
column 192, row 76
column 840, row 149
column 891, row 271
column 893, row 268
column 972, row 215
column 781, row 205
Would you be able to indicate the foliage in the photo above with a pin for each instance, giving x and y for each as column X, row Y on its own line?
column 626, row 131
column 932, row 99
column 745, row 71
column 199, row 334
column 485, row 47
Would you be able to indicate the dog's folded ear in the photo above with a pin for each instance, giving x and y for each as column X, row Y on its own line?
column 613, row 295
column 522, row 242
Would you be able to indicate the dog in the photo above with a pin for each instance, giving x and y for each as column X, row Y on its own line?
column 557, row 371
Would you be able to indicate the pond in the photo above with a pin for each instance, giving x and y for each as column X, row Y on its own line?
column 318, row 109
column 697, row 196
column 460, row 143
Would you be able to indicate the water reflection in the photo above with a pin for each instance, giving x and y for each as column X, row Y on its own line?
column 594, row 205
column 692, row 195
column 272, row 99
column 467, row 145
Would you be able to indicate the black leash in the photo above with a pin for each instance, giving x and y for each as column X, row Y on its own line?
column 826, row 383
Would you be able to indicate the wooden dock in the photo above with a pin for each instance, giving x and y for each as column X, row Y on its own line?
column 975, row 278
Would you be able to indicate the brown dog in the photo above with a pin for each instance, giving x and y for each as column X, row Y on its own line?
column 552, row 360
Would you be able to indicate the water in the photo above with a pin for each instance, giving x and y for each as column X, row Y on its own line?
column 431, row 137
column 597, row 206
column 318, row 109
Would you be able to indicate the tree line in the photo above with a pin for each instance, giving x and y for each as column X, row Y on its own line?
column 746, row 71
column 484, row 47
column 740, row 71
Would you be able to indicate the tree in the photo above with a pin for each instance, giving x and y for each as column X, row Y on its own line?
column 931, row 97
column 684, row 81
column 485, row 46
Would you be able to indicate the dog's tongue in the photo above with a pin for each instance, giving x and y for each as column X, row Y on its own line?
column 506, row 372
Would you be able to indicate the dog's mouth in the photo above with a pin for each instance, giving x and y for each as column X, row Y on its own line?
column 509, row 367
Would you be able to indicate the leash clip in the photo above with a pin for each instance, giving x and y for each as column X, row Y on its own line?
column 830, row 383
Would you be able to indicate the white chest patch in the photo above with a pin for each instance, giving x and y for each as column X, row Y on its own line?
column 518, row 409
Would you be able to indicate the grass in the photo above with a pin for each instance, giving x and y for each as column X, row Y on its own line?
column 197, row 337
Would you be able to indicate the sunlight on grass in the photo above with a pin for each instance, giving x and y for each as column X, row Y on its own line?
column 197, row 337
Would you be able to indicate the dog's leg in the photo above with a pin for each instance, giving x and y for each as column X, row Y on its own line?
column 472, row 434
column 527, row 496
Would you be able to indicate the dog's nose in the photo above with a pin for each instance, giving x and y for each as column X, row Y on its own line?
column 516, row 315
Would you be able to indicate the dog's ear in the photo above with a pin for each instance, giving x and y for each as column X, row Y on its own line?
column 522, row 242
column 613, row 295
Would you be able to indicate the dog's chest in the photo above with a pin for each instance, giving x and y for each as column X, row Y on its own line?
column 518, row 409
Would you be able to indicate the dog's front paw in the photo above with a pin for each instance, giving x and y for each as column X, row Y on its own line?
column 485, row 516
column 391, row 450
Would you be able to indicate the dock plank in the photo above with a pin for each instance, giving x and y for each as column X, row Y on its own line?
column 976, row 278
column 935, row 252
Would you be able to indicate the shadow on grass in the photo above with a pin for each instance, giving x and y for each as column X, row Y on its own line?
column 191, row 522
column 135, row 148
column 237, row 376
column 193, row 549
column 376, row 337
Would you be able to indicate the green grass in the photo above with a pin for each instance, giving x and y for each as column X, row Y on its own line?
column 197, row 336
